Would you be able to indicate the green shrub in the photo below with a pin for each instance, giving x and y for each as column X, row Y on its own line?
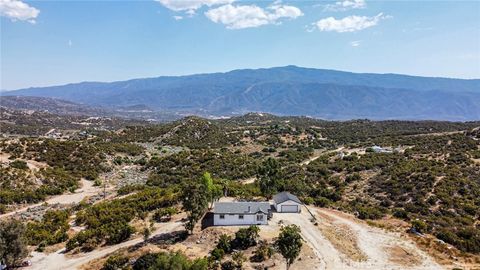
column 246, row 237
column 263, row 252
column 164, row 214
column 217, row 254
column 51, row 229
column 169, row 261
column 115, row 262
column 322, row 202
column 19, row 164
column 225, row 243
column 400, row 213
column 366, row 212
column 419, row 225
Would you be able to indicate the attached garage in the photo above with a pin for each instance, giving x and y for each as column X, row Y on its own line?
column 286, row 202
column 289, row 209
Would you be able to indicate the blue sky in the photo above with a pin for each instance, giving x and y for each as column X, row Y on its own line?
column 57, row 42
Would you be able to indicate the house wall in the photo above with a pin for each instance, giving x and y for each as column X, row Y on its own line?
column 232, row 219
column 278, row 207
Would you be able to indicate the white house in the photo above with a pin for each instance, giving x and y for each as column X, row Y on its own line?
column 379, row 149
column 286, row 202
column 240, row 213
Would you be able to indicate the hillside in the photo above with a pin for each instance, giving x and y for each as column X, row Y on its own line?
column 50, row 105
column 286, row 90
column 105, row 180
column 30, row 104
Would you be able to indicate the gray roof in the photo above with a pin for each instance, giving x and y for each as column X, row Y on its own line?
column 285, row 196
column 241, row 207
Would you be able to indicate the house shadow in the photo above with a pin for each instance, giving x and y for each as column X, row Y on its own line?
column 207, row 220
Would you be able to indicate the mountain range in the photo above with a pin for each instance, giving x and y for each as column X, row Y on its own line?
column 289, row 90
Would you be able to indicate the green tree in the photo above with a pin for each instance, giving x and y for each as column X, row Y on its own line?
column 269, row 177
column 214, row 190
column 13, row 247
column 289, row 243
column 195, row 198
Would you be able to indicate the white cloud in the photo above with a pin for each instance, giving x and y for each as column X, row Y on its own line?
column 349, row 24
column 177, row 18
column 18, row 10
column 190, row 6
column 246, row 16
column 346, row 5
column 355, row 43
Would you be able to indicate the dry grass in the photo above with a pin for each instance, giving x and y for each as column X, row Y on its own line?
column 444, row 254
column 343, row 239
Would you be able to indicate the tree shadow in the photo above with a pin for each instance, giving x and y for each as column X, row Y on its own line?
column 169, row 238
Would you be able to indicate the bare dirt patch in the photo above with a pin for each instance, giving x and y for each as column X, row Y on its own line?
column 401, row 256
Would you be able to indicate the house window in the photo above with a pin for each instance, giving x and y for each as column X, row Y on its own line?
column 222, row 216
column 240, row 216
column 259, row 217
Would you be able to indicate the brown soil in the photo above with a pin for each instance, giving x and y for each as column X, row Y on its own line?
column 401, row 256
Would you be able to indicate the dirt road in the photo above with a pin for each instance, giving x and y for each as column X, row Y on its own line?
column 58, row 260
column 379, row 248
column 319, row 154
column 87, row 189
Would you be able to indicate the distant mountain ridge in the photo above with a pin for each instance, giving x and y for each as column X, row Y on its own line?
column 286, row 90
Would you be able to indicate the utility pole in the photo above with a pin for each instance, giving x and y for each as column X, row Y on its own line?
column 104, row 189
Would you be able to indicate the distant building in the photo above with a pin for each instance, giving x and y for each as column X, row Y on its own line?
column 240, row 213
column 285, row 202
column 379, row 149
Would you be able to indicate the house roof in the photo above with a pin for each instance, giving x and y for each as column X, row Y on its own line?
column 285, row 196
column 241, row 207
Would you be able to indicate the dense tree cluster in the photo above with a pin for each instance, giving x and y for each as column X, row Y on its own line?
column 16, row 186
column 189, row 164
column 51, row 229
column 108, row 222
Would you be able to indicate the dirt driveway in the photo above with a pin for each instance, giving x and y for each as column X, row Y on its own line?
column 338, row 237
